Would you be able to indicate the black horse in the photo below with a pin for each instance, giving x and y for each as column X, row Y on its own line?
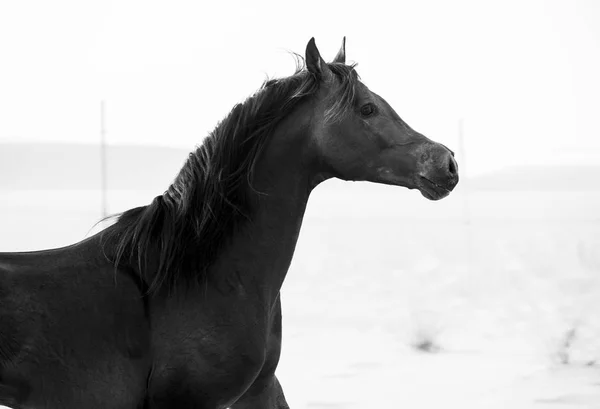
column 176, row 305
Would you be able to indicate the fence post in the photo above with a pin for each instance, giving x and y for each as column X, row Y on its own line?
column 103, row 173
column 464, row 182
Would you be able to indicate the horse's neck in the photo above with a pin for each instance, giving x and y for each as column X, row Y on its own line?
column 260, row 254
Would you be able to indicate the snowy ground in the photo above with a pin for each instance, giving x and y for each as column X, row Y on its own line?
column 507, row 304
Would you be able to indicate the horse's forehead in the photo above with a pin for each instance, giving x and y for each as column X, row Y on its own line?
column 361, row 90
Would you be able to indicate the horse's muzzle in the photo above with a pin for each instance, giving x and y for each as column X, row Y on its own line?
column 438, row 172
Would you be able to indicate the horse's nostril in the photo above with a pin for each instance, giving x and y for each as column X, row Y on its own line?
column 452, row 166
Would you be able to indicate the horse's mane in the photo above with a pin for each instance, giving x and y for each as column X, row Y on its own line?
column 180, row 234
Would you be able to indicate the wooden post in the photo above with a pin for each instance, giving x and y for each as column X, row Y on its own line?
column 103, row 173
column 466, row 194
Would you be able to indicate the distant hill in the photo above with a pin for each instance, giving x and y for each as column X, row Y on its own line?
column 30, row 166
column 540, row 178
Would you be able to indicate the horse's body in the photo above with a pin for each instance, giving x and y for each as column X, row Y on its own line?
column 71, row 332
column 177, row 304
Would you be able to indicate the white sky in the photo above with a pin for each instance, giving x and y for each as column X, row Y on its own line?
column 523, row 73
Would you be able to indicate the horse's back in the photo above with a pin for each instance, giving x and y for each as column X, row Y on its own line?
column 73, row 331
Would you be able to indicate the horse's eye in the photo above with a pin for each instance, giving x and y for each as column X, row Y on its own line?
column 367, row 109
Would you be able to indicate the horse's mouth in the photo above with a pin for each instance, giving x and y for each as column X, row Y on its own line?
column 432, row 190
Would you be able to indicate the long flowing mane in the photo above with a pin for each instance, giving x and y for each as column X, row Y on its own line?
column 180, row 234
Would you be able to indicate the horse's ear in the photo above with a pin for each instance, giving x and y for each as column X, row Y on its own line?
column 314, row 63
column 341, row 55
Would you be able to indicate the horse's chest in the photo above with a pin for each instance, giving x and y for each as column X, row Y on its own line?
column 209, row 358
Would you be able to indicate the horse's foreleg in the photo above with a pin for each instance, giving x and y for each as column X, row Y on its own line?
column 263, row 394
column 280, row 402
